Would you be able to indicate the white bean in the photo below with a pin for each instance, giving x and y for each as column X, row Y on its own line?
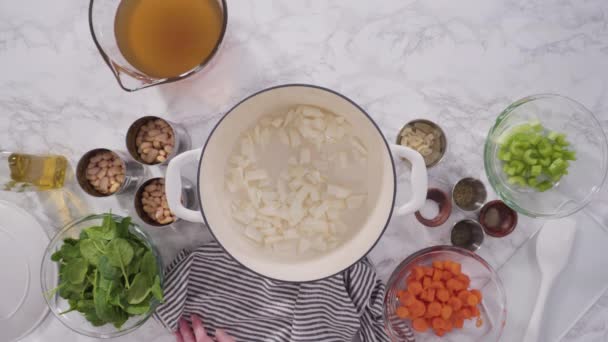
column 104, row 183
column 93, row 171
column 153, row 133
column 102, row 173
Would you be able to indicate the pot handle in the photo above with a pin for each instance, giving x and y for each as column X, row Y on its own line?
column 173, row 186
column 418, row 180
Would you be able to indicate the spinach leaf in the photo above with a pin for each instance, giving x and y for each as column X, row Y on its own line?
column 107, row 270
column 70, row 251
column 76, row 270
column 134, row 267
column 57, row 256
column 138, row 309
column 119, row 252
column 156, row 290
column 103, row 309
column 120, row 319
column 83, row 235
column 122, row 229
column 148, row 265
column 107, row 230
column 140, row 289
column 92, row 250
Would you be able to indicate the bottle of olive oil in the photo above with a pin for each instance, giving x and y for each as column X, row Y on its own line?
column 29, row 172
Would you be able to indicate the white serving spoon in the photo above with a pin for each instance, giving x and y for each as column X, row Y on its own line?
column 553, row 245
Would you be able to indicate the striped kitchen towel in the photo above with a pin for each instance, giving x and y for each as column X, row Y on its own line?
column 209, row 283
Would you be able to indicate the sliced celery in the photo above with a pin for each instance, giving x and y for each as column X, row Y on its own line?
column 536, row 170
column 519, row 180
column 530, row 157
column 544, row 186
column 534, row 157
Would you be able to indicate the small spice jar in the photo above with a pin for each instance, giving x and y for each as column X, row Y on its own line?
column 469, row 194
column 436, row 210
column 152, row 140
column 102, row 172
column 497, row 219
column 425, row 137
column 467, row 234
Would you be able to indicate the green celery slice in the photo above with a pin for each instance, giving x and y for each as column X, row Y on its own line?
column 544, row 148
column 519, row 180
column 536, row 170
column 533, row 182
column 531, row 157
column 506, row 156
column 517, row 165
column 544, row 186
column 569, row 155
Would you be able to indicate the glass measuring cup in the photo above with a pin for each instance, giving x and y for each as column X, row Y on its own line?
column 102, row 14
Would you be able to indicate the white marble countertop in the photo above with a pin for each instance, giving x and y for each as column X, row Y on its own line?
column 457, row 63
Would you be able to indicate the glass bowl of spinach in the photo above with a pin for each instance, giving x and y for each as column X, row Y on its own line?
column 102, row 276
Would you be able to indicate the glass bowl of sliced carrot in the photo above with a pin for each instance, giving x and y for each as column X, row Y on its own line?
column 444, row 293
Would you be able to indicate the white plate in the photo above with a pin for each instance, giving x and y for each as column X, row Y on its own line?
column 22, row 245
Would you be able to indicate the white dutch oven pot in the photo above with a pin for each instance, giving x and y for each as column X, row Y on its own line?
column 215, row 204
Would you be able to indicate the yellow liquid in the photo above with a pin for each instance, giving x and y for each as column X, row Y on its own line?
column 43, row 172
column 166, row 38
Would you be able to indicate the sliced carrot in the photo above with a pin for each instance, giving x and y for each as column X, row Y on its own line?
column 420, row 325
column 414, row 287
column 437, row 285
column 446, row 312
column 417, row 309
column 426, row 282
column 454, row 284
column 434, row 309
column 406, row 298
column 455, row 303
column 418, row 272
column 403, row 312
column 437, row 275
column 431, row 294
column 458, row 322
column 475, row 311
column 437, row 264
column 442, row 295
column 477, row 294
column 466, row 313
column 463, row 296
column 449, row 326
column 438, row 297
column 464, row 279
column 438, row 323
column 472, row 300
column 455, row 268
column 479, row 322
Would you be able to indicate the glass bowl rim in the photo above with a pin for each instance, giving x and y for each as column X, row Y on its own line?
column 53, row 243
column 504, row 114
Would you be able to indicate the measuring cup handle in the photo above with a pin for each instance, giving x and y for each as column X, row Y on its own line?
column 418, row 179
column 173, row 186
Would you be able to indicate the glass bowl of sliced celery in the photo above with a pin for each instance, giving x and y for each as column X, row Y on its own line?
column 546, row 156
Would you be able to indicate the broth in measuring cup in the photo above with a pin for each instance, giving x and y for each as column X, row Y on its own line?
column 165, row 39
